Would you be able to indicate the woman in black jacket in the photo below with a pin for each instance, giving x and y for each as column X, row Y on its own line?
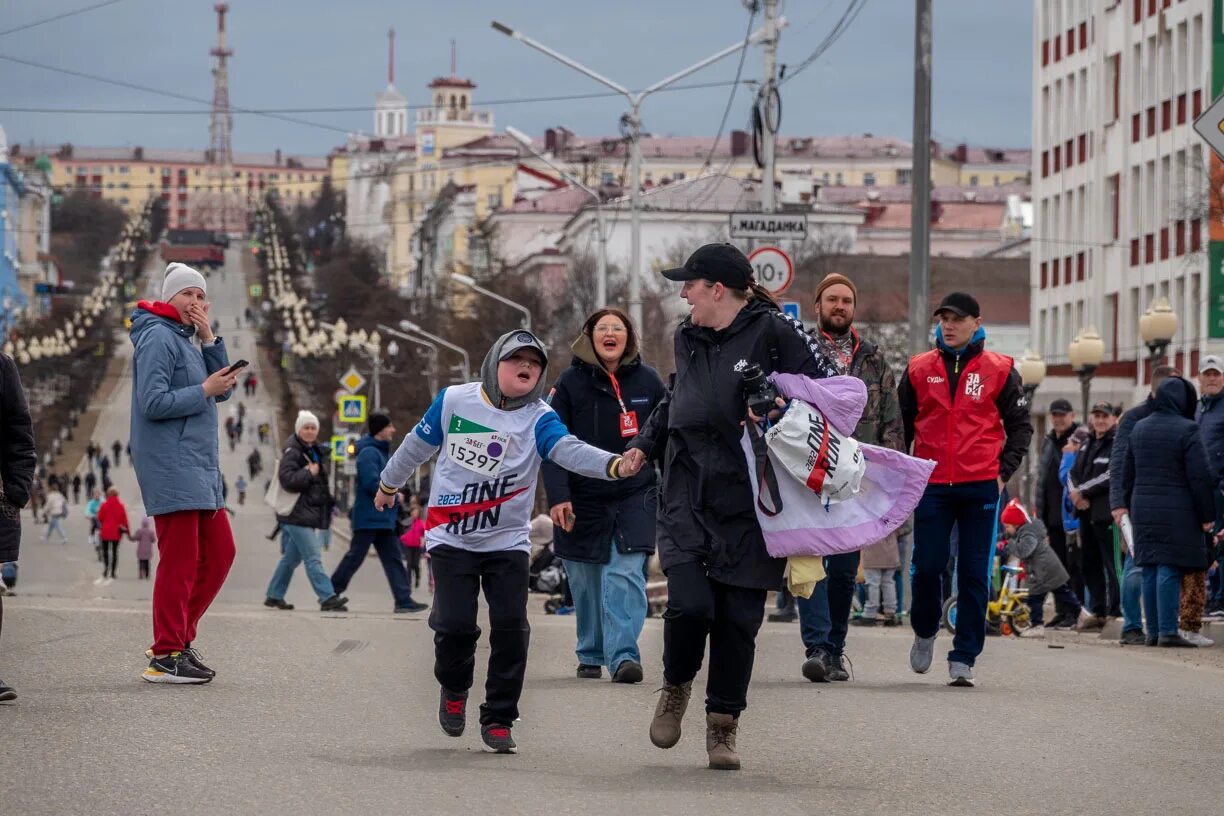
column 303, row 470
column 1168, row 490
column 17, row 461
column 605, row 530
column 1088, row 488
column 710, row 544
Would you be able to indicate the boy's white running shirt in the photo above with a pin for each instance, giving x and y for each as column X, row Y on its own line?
column 483, row 485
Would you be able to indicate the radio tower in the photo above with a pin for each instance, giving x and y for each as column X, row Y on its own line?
column 219, row 207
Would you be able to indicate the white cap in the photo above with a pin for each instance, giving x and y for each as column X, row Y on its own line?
column 179, row 277
column 304, row 418
column 1212, row 362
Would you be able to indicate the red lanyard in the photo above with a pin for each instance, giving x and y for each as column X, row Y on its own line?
column 616, row 390
column 846, row 361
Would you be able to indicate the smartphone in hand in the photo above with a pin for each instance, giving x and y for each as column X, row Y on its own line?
column 236, row 366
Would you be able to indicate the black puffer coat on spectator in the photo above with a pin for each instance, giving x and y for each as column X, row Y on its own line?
column 1167, row 483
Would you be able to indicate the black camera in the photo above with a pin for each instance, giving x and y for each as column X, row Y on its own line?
column 760, row 394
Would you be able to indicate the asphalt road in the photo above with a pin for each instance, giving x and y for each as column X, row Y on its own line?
column 328, row 714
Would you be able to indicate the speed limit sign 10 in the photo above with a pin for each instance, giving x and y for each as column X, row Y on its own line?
column 773, row 269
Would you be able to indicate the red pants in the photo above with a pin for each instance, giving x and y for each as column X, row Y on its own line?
column 196, row 549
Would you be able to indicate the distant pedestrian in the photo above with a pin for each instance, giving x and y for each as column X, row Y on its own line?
column 91, row 512
column 254, row 463
column 880, row 564
column 963, row 407
column 413, row 541
column 17, row 463
column 241, row 486
column 104, row 465
column 91, row 482
column 302, row 472
column 1168, row 487
column 175, row 387
column 145, row 538
column 113, row 525
column 76, row 489
column 117, row 449
column 370, row 527
column 1026, row 540
column 1210, row 418
column 56, row 510
column 1088, row 489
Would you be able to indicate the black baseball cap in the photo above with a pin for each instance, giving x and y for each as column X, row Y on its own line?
column 1061, row 406
column 959, row 304
column 1103, row 408
column 721, row 263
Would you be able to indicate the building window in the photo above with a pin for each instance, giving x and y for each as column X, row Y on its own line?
column 869, row 179
column 607, row 178
column 495, row 200
column 973, row 181
column 838, row 180
column 123, row 169
column 678, row 176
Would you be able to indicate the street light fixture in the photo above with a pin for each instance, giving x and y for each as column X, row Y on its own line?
column 472, row 284
column 433, row 354
column 601, row 260
column 1086, row 352
column 409, row 326
column 633, row 121
column 1157, row 327
column 1032, row 371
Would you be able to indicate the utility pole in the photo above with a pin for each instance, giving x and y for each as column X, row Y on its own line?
column 920, row 181
column 768, row 113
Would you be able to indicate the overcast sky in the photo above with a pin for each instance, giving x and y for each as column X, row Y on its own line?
column 321, row 53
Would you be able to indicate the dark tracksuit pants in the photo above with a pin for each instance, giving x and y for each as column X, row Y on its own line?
column 824, row 618
column 973, row 508
column 459, row 576
column 390, row 553
column 1100, row 576
column 699, row 607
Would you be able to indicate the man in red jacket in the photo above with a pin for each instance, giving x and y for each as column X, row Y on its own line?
column 964, row 408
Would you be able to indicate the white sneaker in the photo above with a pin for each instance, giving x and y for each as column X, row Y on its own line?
column 1033, row 632
column 1197, row 638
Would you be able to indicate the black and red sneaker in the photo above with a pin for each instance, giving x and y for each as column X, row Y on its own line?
column 452, row 712
column 497, row 738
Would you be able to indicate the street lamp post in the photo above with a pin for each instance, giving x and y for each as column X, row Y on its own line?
column 601, row 260
column 1085, row 353
column 1032, row 372
column 472, row 284
column 409, row 326
column 1157, row 327
column 633, row 121
column 433, row 354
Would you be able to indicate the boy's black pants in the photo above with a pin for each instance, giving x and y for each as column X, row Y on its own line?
column 459, row 576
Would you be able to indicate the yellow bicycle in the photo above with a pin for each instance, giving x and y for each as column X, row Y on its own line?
column 1007, row 614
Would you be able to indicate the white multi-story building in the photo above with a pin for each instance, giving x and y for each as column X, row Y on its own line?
column 1119, row 184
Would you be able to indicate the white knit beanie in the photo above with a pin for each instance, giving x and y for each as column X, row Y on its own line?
column 179, row 277
column 305, row 418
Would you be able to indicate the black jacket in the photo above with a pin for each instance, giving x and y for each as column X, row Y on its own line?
column 1167, row 484
column 1049, row 486
column 1117, row 457
column 623, row 511
column 706, row 511
column 17, row 459
column 314, row 504
column 1090, row 476
column 1011, row 403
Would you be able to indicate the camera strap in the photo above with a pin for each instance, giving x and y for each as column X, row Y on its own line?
column 767, row 477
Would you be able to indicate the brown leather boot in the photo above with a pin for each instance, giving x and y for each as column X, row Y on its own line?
column 665, row 727
column 720, row 742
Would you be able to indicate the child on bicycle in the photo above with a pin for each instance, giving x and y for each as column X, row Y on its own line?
column 1026, row 540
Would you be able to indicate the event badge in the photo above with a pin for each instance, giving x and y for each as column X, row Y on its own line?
column 475, row 447
column 628, row 424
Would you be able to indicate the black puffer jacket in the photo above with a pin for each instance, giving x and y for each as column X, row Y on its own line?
column 1167, row 483
column 623, row 511
column 1090, row 476
column 1049, row 486
column 706, row 511
column 17, row 459
column 314, row 504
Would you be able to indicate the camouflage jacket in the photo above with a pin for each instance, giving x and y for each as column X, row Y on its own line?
column 881, row 422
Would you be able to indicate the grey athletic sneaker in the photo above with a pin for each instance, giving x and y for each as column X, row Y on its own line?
column 960, row 674
column 921, row 654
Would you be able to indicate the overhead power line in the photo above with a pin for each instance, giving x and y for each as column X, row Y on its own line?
column 739, row 70
column 72, row 13
column 853, row 8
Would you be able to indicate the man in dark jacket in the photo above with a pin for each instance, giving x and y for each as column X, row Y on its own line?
column 710, row 542
column 1131, row 590
column 17, row 461
column 303, row 473
column 1088, row 491
column 371, row 527
column 1168, row 490
column 1050, row 488
column 964, row 408
column 825, row 616
column 1210, row 418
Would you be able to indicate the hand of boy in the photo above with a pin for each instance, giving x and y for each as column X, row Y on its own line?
column 630, row 465
column 384, row 500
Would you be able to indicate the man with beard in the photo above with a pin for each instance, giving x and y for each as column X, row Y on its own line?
column 825, row 617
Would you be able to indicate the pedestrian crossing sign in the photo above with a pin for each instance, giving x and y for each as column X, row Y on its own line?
column 353, row 408
column 255, row 290
column 339, row 448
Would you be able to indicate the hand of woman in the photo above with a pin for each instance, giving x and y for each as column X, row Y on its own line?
column 773, row 415
column 313, row 467
column 562, row 515
column 198, row 314
column 219, row 382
